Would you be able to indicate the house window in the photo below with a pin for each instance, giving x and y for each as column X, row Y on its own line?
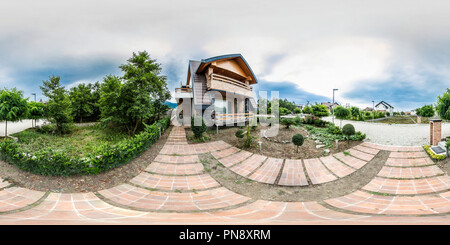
column 235, row 105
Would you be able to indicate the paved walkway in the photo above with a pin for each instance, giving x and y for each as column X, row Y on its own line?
column 174, row 189
column 395, row 134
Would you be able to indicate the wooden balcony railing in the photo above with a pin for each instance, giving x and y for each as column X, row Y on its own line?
column 233, row 117
column 183, row 90
column 232, row 81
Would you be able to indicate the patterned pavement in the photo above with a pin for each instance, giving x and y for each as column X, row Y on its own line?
column 174, row 189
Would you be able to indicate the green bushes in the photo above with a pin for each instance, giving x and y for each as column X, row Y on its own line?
column 198, row 130
column 348, row 130
column 432, row 155
column 240, row 134
column 287, row 122
column 298, row 140
column 329, row 135
column 332, row 129
column 443, row 105
column 317, row 122
column 103, row 158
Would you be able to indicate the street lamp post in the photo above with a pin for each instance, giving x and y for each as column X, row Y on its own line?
column 334, row 89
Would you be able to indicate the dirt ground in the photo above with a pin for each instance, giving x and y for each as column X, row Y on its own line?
column 445, row 165
column 274, row 149
column 257, row 190
column 85, row 183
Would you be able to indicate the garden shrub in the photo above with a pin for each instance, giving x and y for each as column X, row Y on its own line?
column 332, row 129
column 248, row 142
column 298, row 140
column 198, row 130
column 308, row 120
column 319, row 123
column 240, row 134
column 287, row 122
column 297, row 120
column 103, row 158
column 46, row 128
column 432, row 155
column 327, row 138
column 348, row 130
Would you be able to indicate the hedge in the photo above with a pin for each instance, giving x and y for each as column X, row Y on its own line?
column 431, row 153
column 105, row 157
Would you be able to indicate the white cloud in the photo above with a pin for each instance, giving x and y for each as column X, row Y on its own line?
column 321, row 65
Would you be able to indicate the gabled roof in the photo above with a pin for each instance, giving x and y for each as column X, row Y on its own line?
column 205, row 62
column 385, row 104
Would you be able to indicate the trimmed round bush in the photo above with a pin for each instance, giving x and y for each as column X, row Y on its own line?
column 240, row 134
column 348, row 130
column 198, row 130
column 298, row 140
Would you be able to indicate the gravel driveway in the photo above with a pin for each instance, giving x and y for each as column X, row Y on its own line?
column 395, row 134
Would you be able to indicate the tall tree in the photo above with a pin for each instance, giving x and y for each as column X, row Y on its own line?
column 13, row 107
column 36, row 110
column 94, row 100
column 341, row 113
column 143, row 84
column 443, row 105
column 80, row 98
column 320, row 110
column 109, row 102
column 354, row 111
column 58, row 108
column 425, row 111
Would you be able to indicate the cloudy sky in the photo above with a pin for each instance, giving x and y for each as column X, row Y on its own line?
column 396, row 51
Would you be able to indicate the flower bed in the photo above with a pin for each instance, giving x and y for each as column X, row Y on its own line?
column 105, row 157
column 330, row 134
column 432, row 155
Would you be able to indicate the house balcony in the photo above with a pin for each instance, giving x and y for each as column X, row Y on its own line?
column 223, row 83
column 183, row 93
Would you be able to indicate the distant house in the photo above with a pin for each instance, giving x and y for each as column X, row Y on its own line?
column 368, row 109
column 330, row 105
column 384, row 107
column 299, row 107
column 220, row 87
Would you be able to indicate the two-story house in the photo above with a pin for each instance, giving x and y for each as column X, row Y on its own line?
column 219, row 88
column 384, row 107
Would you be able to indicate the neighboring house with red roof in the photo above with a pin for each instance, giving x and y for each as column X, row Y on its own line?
column 219, row 88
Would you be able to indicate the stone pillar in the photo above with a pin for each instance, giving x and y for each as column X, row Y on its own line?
column 419, row 119
column 435, row 131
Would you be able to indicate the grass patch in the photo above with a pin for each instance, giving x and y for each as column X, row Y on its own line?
column 78, row 143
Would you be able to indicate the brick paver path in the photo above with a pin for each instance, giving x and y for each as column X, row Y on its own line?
column 174, row 189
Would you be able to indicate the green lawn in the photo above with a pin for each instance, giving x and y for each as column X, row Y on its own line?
column 80, row 141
